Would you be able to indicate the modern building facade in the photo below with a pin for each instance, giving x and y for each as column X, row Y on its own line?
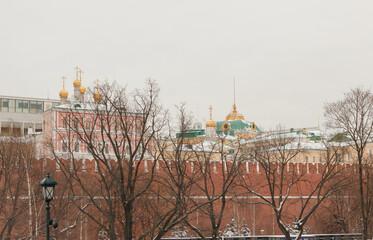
column 20, row 116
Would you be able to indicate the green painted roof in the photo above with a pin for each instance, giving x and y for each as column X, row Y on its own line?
column 191, row 133
column 236, row 125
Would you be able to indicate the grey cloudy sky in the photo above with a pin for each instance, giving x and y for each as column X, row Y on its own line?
column 288, row 57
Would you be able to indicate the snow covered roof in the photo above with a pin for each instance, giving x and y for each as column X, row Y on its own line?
column 208, row 146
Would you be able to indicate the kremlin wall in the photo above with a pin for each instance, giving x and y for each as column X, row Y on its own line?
column 84, row 154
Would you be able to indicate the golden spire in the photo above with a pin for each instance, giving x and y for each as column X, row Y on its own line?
column 234, row 95
column 63, row 92
column 77, row 71
column 210, row 108
column 234, row 90
column 82, row 89
column 211, row 123
column 97, row 84
column 234, row 115
column 63, row 80
column 77, row 83
column 97, row 95
column 80, row 72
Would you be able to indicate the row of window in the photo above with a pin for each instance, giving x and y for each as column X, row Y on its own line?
column 88, row 124
column 100, row 146
column 77, row 147
column 339, row 157
column 22, row 106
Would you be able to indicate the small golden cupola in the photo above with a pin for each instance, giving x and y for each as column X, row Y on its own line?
column 82, row 90
column 63, row 93
column 211, row 123
column 97, row 96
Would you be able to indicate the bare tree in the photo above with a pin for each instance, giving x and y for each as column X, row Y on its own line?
column 217, row 165
column 354, row 115
column 16, row 155
column 277, row 156
column 339, row 214
column 118, row 134
column 171, row 204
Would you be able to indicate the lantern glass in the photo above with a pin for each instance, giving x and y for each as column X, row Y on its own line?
column 48, row 192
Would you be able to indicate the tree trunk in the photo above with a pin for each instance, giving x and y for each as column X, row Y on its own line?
column 128, row 223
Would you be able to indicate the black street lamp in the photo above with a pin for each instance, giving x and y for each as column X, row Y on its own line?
column 47, row 185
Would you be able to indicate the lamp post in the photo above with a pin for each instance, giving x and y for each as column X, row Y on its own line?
column 47, row 185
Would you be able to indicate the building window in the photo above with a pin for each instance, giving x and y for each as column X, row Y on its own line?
column 139, row 150
column 107, row 148
column 64, row 146
column 314, row 159
column 306, row 159
column 40, row 107
column 76, row 123
column 88, row 124
column 4, row 105
column 19, row 106
column 25, row 106
column 12, row 105
column 138, row 126
column 127, row 150
column 99, row 146
column 347, row 157
column 76, row 146
column 320, row 159
column 64, row 122
column 33, row 107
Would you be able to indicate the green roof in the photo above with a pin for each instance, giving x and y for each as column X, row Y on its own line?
column 194, row 133
column 237, row 125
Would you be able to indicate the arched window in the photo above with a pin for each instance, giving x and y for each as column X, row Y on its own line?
column 76, row 146
column 64, row 145
column 88, row 124
column 64, row 122
column 76, row 123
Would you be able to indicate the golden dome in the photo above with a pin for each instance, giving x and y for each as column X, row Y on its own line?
column 77, row 83
column 64, row 94
column 82, row 90
column 97, row 96
column 211, row 123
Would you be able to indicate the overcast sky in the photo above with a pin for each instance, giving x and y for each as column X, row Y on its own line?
column 288, row 57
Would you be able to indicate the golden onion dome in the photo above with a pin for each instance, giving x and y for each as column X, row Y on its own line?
column 82, row 90
column 211, row 124
column 77, row 83
column 64, row 94
column 97, row 96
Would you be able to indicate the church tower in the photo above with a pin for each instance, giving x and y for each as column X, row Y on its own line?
column 210, row 128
